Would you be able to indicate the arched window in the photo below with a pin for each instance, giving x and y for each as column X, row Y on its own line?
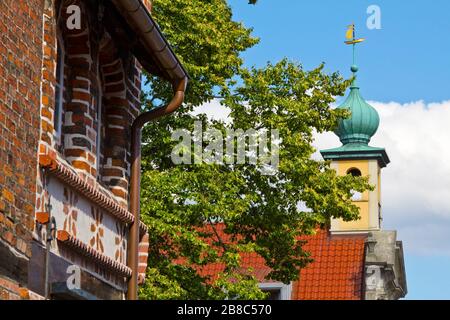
column 356, row 196
column 354, row 172
column 59, row 90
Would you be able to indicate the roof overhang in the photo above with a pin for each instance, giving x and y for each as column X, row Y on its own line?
column 357, row 152
column 156, row 48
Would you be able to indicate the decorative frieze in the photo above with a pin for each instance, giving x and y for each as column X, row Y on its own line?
column 69, row 240
column 73, row 180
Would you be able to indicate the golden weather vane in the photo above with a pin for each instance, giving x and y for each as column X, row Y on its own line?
column 351, row 39
column 351, row 35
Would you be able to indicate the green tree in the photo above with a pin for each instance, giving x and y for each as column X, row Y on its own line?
column 261, row 213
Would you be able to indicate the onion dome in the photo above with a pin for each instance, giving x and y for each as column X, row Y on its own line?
column 364, row 119
column 356, row 131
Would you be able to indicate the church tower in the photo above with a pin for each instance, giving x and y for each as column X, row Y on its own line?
column 356, row 157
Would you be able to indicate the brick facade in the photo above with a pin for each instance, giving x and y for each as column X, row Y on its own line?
column 20, row 74
column 101, row 98
column 94, row 69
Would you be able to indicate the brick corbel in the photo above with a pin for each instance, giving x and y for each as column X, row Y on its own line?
column 75, row 244
column 42, row 217
column 70, row 178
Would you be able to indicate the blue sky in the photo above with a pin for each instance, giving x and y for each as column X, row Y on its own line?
column 407, row 60
column 405, row 70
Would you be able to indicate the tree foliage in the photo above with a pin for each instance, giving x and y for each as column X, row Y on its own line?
column 264, row 214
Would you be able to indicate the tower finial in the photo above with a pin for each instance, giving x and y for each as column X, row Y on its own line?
column 351, row 39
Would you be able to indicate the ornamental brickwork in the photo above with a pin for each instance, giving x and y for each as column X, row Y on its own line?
column 65, row 165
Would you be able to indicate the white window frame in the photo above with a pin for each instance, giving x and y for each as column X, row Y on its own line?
column 285, row 289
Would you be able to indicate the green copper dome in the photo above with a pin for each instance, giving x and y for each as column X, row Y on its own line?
column 363, row 122
column 356, row 131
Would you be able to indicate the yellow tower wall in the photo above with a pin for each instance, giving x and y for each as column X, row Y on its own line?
column 369, row 202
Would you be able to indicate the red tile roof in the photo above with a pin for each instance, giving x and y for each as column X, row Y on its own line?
column 337, row 270
column 335, row 274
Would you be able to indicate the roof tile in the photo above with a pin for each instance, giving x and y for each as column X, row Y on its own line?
column 335, row 273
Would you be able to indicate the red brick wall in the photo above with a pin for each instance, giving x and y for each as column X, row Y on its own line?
column 121, row 81
column 94, row 63
column 48, row 76
column 11, row 290
column 27, row 88
column 143, row 257
column 80, row 117
column 20, row 74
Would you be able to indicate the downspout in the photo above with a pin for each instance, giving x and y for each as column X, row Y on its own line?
column 133, row 254
column 139, row 18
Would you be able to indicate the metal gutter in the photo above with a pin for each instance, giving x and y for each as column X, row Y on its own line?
column 139, row 18
column 141, row 21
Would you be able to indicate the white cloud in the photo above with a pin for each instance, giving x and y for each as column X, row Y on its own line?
column 416, row 184
column 214, row 110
